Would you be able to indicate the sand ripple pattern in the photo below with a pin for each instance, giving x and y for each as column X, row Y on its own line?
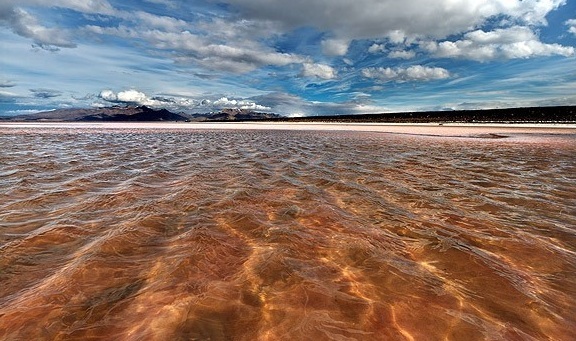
column 285, row 235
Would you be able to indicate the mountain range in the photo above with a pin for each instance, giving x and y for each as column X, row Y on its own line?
column 137, row 114
column 565, row 114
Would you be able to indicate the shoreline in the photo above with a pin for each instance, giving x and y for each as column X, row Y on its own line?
column 445, row 129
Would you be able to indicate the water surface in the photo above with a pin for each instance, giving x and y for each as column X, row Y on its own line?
column 169, row 234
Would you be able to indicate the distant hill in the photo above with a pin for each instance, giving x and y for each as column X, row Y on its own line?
column 137, row 114
column 565, row 114
column 109, row 114
column 234, row 115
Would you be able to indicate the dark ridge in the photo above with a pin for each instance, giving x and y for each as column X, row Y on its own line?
column 144, row 114
column 137, row 114
column 564, row 114
column 110, row 114
column 559, row 114
column 234, row 115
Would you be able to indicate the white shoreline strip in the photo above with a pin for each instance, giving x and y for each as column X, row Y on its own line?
column 447, row 129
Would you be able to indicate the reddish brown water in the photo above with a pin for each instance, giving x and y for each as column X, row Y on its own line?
column 120, row 234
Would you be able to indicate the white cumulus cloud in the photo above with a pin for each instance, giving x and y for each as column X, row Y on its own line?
column 322, row 71
column 132, row 96
column 412, row 73
column 108, row 95
column 509, row 43
column 226, row 103
column 176, row 103
column 335, row 47
column 376, row 48
column 128, row 97
column 571, row 26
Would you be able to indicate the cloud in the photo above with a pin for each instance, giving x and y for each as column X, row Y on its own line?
column 178, row 103
column 157, row 21
column 167, row 3
column 236, row 59
column 292, row 105
column 225, row 46
column 187, row 47
column 411, row 73
column 108, row 95
column 132, row 96
column 277, row 102
column 335, row 47
column 571, row 26
column 402, row 54
column 24, row 24
column 8, row 97
column 368, row 19
column 509, row 43
column 45, row 93
column 214, row 43
column 7, row 84
column 88, row 7
column 396, row 36
column 224, row 102
column 376, row 48
column 394, row 54
column 322, row 71
column 127, row 97
column 240, row 30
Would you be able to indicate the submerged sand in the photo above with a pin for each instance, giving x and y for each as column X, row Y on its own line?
column 257, row 231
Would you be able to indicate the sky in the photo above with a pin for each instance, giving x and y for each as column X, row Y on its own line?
column 295, row 58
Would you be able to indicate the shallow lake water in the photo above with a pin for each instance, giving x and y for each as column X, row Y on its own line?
column 195, row 234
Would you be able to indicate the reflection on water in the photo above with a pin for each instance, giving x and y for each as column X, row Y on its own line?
column 277, row 235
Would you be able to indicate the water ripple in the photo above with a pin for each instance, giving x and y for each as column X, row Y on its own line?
column 136, row 234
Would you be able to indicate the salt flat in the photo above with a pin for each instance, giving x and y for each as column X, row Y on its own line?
column 447, row 129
